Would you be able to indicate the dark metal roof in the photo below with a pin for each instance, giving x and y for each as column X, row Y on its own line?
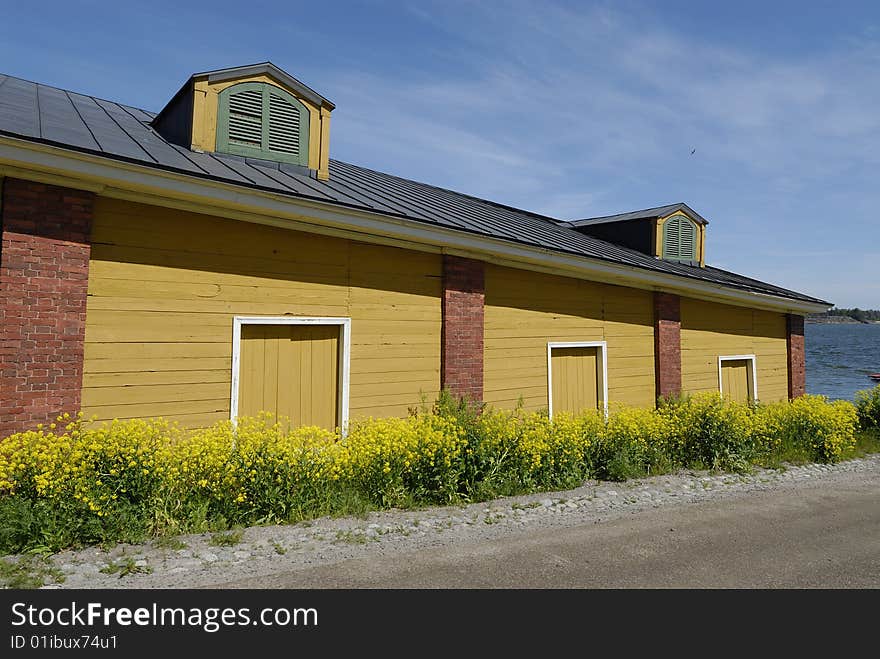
column 647, row 214
column 53, row 116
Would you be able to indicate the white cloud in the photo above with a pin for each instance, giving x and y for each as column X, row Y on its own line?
column 584, row 111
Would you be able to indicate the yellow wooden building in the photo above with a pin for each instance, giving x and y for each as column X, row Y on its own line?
column 212, row 260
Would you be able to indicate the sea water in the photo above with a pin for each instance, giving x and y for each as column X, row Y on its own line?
column 840, row 357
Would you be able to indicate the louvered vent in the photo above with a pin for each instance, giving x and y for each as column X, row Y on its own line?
column 283, row 125
column 687, row 246
column 679, row 239
column 263, row 121
column 246, row 118
column 671, row 241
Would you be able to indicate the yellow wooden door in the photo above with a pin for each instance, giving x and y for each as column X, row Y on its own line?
column 575, row 379
column 736, row 379
column 291, row 371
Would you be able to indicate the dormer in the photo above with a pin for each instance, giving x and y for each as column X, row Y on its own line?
column 255, row 111
column 672, row 233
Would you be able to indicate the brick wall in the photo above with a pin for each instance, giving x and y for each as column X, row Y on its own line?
column 44, row 265
column 797, row 371
column 461, row 357
column 667, row 344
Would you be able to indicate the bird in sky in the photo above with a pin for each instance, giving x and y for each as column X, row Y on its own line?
column 693, row 151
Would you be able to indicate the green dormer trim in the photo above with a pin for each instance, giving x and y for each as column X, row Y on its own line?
column 680, row 238
column 260, row 120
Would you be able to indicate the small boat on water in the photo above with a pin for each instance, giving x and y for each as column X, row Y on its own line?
column 874, row 376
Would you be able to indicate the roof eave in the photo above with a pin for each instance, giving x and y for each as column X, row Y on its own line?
column 645, row 214
column 28, row 159
column 220, row 75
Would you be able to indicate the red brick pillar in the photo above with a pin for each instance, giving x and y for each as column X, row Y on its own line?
column 797, row 362
column 44, row 273
column 667, row 344
column 461, row 352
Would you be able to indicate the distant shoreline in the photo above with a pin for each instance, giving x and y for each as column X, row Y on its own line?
column 840, row 320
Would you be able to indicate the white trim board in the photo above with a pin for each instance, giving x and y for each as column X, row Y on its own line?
column 603, row 357
column 344, row 361
column 731, row 358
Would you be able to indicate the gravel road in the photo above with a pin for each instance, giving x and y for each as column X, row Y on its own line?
column 480, row 545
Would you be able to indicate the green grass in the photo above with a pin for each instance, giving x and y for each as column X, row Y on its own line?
column 789, row 453
column 28, row 572
column 169, row 542
column 867, row 442
column 227, row 538
column 351, row 537
column 347, row 502
column 125, row 566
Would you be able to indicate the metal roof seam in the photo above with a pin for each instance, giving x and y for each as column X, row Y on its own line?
column 152, row 130
column 467, row 196
column 113, row 119
column 335, row 183
column 224, row 164
column 79, row 114
column 352, row 175
column 559, row 237
column 37, row 108
column 306, row 181
column 426, row 217
column 131, row 110
column 437, row 208
column 470, row 206
column 489, row 222
column 267, row 171
column 502, row 214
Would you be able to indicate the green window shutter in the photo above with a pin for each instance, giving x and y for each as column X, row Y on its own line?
column 246, row 118
column 671, row 234
column 262, row 121
column 688, row 240
column 680, row 239
column 284, row 128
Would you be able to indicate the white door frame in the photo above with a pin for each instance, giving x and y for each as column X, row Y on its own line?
column 731, row 358
column 344, row 361
column 603, row 369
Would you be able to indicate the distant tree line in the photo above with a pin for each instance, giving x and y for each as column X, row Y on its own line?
column 861, row 315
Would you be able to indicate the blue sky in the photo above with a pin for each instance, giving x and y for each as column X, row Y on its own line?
column 572, row 109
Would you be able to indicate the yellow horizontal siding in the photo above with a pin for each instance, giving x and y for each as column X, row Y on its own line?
column 208, row 410
column 157, row 393
column 165, row 284
column 164, row 377
column 525, row 310
column 710, row 330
